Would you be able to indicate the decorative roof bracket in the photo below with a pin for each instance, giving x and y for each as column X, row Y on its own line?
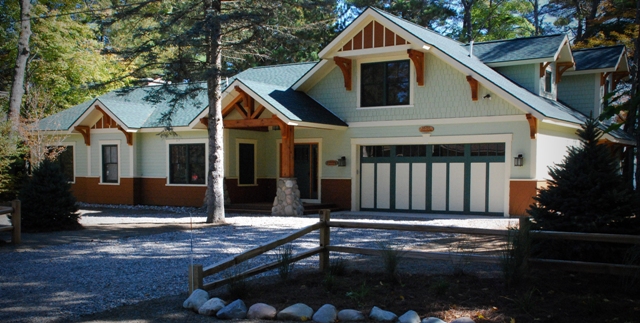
column 86, row 133
column 127, row 135
column 561, row 68
column 543, row 68
column 345, row 66
column 533, row 125
column 417, row 57
column 474, row 87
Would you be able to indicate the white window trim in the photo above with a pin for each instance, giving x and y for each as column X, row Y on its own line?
column 412, row 82
column 109, row 143
column 186, row 142
column 255, row 160
column 320, row 178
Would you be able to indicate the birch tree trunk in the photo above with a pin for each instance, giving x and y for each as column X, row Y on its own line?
column 215, row 185
column 17, row 87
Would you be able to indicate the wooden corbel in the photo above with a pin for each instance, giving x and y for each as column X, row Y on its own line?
column 617, row 76
column 127, row 135
column 474, row 87
column 543, row 68
column 561, row 68
column 86, row 133
column 603, row 78
column 345, row 66
column 533, row 125
column 205, row 121
column 417, row 57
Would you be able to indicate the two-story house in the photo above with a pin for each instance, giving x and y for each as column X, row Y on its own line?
column 394, row 117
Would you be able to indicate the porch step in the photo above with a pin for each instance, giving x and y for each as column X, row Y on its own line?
column 265, row 208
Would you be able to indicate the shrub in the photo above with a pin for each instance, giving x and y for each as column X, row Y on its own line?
column 47, row 202
column 284, row 254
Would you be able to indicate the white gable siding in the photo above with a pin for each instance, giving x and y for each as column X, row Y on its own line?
column 446, row 94
column 523, row 75
column 581, row 92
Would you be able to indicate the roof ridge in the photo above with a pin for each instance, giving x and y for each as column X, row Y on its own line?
column 380, row 11
column 280, row 65
column 512, row 39
column 600, row 47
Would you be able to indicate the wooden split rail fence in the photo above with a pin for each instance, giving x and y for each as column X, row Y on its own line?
column 15, row 226
column 197, row 272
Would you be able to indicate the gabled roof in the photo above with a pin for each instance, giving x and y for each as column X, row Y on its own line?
column 542, row 48
column 599, row 58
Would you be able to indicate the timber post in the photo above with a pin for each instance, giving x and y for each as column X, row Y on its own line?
column 325, row 239
column 196, row 278
column 16, row 222
column 524, row 241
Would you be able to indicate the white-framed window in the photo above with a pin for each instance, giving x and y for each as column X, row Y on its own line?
column 246, row 161
column 110, row 162
column 548, row 81
column 385, row 83
column 187, row 162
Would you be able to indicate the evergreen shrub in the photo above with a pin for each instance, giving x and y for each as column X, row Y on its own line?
column 47, row 202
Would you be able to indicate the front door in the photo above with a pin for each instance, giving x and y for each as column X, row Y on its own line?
column 306, row 169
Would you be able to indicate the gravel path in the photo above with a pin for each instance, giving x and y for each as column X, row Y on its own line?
column 66, row 280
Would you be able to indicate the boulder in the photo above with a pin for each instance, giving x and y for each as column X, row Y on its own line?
column 261, row 311
column 296, row 312
column 211, row 307
column 350, row 315
column 378, row 314
column 432, row 320
column 327, row 313
column 197, row 298
column 463, row 320
column 409, row 317
column 235, row 310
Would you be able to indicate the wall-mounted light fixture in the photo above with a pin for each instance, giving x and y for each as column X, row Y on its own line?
column 487, row 97
column 518, row 161
column 342, row 161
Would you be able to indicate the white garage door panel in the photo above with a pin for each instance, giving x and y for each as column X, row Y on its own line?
column 402, row 186
column 383, row 186
column 439, row 187
column 496, row 187
column 456, row 187
column 478, row 187
column 367, row 189
column 419, row 187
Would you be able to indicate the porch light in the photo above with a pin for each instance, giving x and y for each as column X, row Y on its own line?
column 342, row 162
column 518, row 161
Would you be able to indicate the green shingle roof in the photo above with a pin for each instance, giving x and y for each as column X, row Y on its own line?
column 517, row 49
column 597, row 58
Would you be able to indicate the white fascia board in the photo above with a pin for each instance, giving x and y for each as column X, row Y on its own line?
column 264, row 103
column 561, row 123
column 619, row 141
column 176, row 129
column 431, row 122
column 345, row 33
column 622, row 60
column 488, row 84
column 521, row 62
column 311, row 73
column 84, row 115
column 356, row 53
column 594, row 71
column 106, row 110
column 320, row 126
column 204, row 113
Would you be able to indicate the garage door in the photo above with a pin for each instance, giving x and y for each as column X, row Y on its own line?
column 456, row 178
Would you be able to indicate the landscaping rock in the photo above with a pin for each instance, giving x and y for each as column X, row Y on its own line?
column 211, row 307
column 463, row 320
column 433, row 320
column 197, row 298
column 235, row 310
column 409, row 317
column 381, row 315
column 326, row 314
column 261, row 311
column 296, row 312
column 350, row 315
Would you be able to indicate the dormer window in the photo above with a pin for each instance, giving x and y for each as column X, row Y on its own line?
column 385, row 84
column 548, row 81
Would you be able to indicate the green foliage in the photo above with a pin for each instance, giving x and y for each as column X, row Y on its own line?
column 360, row 294
column 11, row 164
column 338, row 267
column 329, row 282
column 433, row 14
column 47, row 202
column 284, row 255
column 586, row 192
column 514, row 256
column 391, row 257
column 501, row 19
column 239, row 287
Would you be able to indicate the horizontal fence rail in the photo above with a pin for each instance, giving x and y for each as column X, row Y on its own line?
column 197, row 273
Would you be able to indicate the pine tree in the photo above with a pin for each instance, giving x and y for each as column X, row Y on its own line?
column 47, row 202
column 586, row 192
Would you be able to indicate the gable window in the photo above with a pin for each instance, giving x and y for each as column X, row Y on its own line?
column 187, row 164
column 548, row 81
column 65, row 160
column 110, row 163
column 385, row 84
column 246, row 162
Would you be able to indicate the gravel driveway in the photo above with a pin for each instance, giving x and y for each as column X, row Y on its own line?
column 135, row 255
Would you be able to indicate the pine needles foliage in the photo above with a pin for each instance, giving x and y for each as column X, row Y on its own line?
column 586, row 192
column 47, row 202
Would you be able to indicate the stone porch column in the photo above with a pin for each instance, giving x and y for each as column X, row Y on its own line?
column 287, row 201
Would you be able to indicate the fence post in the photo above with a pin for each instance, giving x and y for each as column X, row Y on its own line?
column 195, row 278
column 325, row 239
column 524, row 242
column 16, row 222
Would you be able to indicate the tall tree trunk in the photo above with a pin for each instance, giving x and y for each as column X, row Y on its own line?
column 536, row 17
column 215, row 186
column 632, row 115
column 467, row 29
column 17, row 87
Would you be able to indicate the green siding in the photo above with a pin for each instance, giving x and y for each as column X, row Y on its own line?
column 523, row 75
column 578, row 91
column 446, row 94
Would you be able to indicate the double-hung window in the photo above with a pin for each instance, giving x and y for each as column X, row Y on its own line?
column 187, row 164
column 110, row 163
column 385, row 84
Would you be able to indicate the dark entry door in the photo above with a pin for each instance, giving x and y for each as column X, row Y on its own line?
column 306, row 169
